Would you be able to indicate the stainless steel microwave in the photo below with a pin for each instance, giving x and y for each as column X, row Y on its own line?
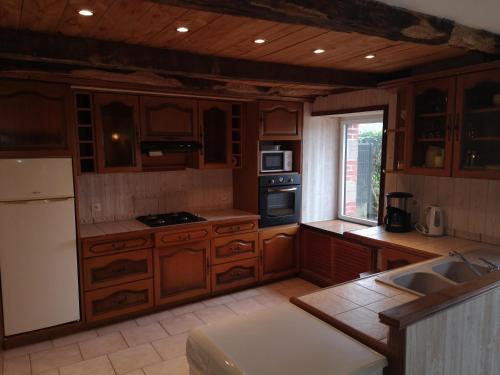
column 276, row 161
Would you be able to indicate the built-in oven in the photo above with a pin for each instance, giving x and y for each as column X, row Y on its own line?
column 279, row 199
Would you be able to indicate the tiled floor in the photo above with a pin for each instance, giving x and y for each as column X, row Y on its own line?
column 150, row 345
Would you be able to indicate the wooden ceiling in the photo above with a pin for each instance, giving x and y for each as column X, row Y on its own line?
column 152, row 24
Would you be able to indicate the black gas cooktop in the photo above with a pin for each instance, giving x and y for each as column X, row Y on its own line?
column 172, row 218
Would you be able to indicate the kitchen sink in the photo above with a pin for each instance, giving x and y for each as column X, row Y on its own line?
column 422, row 282
column 459, row 272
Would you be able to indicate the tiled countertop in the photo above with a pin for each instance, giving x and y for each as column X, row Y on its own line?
column 412, row 241
column 335, row 226
column 124, row 226
column 358, row 303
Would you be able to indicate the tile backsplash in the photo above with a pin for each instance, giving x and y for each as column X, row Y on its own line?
column 121, row 196
column 471, row 206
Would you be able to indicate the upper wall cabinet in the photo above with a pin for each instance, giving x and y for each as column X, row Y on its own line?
column 168, row 119
column 215, row 129
column 429, row 142
column 280, row 120
column 477, row 126
column 117, row 135
column 34, row 119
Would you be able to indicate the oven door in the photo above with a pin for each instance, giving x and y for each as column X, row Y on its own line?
column 272, row 161
column 279, row 205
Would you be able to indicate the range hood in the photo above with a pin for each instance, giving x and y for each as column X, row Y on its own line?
column 169, row 146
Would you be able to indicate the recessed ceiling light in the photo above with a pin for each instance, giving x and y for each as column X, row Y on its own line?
column 85, row 12
column 319, row 50
column 182, row 29
column 370, row 56
column 259, row 41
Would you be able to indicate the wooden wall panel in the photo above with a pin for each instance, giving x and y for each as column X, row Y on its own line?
column 128, row 195
column 461, row 340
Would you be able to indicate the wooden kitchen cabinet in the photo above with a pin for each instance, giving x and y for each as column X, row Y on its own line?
column 234, row 227
column 235, row 274
column 350, row 260
column 182, row 272
column 317, row 262
column 389, row 259
column 168, row 119
column 280, row 120
column 108, row 303
column 236, row 247
column 431, row 110
column 279, row 251
column 117, row 132
column 35, row 119
column 169, row 237
column 115, row 244
column 215, row 119
column 105, row 271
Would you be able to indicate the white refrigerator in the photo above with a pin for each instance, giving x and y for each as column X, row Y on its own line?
column 38, row 250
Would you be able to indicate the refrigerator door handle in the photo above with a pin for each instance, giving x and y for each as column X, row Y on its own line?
column 43, row 200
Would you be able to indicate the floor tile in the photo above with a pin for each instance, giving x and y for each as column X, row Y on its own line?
column 245, row 306
column 177, row 366
column 74, row 338
column 50, row 372
column 53, row 358
column 192, row 307
column 181, row 324
column 216, row 313
column 246, row 294
column 27, row 349
column 154, row 318
column 294, row 282
column 365, row 321
column 299, row 290
column 17, row 366
column 218, row 301
column 135, row 372
column 140, row 335
column 131, row 359
column 171, row 347
column 271, row 299
column 102, row 345
column 116, row 327
column 95, row 366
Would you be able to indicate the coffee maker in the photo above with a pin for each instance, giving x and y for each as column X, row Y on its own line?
column 397, row 219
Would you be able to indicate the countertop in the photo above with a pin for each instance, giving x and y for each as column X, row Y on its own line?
column 124, row 226
column 335, row 226
column 412, row 241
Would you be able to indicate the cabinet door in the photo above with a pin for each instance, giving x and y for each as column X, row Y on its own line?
column 168, row 119
column 34, row 119
column 317, row 256
column 215, row 123
column 235, row 274
column 430, row 131
column 390, row 259
column 350, row 260
column 117, row 118
column 182, row 272
column 280, row 120
column 278, row 252
column 236, row 247
column 477, row 126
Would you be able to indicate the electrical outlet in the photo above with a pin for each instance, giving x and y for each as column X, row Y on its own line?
column 96, row 207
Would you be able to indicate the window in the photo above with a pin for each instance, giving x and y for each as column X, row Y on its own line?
column 360, row 168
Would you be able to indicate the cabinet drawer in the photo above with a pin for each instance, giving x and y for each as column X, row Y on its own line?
column 231, row 248
column 92, row 248
column 118, row 300
column 116, row 269
column 235, row 274
column 163, row 239
column 236, row 227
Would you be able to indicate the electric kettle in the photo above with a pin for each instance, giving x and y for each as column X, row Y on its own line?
column 433, row 225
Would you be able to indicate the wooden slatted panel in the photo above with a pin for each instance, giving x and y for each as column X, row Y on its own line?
column 317, row 253
column 350, row 260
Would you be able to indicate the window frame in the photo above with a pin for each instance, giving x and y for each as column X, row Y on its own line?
column 344, row 122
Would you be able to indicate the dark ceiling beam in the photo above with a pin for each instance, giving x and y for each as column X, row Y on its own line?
column 99, row 54
column 367, row 17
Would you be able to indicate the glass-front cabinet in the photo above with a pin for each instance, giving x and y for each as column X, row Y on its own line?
column 117, row 118
column 477, row 125
column 429, row 142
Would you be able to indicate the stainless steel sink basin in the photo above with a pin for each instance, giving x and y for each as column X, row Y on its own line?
column 459, row 272
column 422, row 282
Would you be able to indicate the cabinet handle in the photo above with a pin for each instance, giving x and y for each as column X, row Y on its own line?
column 118, row 246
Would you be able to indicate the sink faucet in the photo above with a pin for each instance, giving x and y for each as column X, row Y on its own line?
column 491, row 266
column 467, row 263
